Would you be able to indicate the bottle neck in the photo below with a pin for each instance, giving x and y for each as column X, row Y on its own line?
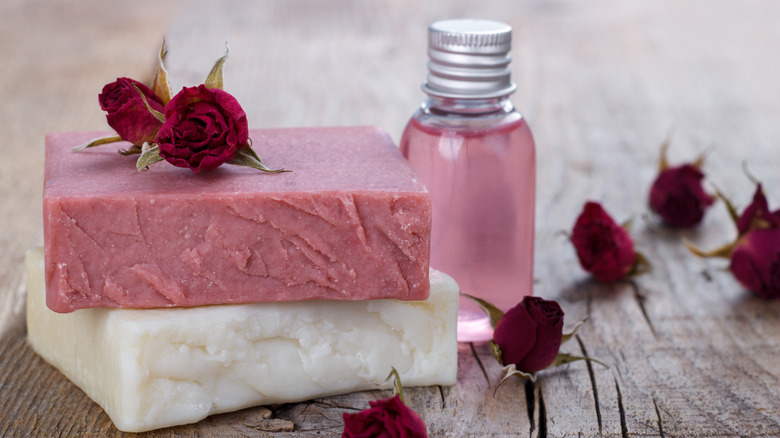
column 467, row 107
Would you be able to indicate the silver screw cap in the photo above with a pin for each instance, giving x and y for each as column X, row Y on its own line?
column 469, row 59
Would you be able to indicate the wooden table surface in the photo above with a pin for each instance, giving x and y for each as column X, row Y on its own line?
column 602, row 83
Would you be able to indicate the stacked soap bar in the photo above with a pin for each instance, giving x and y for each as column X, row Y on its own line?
column 350, row 222
column 155, row 368
column 168, row 297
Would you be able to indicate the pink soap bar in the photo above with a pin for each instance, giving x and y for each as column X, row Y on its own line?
column 350, row 222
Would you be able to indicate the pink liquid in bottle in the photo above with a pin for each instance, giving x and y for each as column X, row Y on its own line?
column 479, row 167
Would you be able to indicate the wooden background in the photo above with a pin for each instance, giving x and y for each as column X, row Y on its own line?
column 601, row 82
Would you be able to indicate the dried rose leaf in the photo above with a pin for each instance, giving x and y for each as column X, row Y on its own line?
column 496, row 350
column 215, row 78
column 566, row 336
column 98, row 141
column 149, row 156
column 723, row 252
column 564, row 358
column 397, row 387
column 161, row 85
column 248, row 158
column 493, row 312
column 132, row 150
column 511, row 370
column 663, row 162
column 641, row 265
column 733, row 214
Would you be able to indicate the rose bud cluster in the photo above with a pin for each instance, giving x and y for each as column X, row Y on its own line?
column 677, row 195
column 754, row 257
column 604, row 248
column 389, row 417
column 528, row 337
column 200, row 128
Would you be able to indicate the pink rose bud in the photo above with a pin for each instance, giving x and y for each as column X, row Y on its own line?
column 529, row 334
column 127, row 113
column 604, row 248
column 385, row 418
column 678, row 197
column 204, row 128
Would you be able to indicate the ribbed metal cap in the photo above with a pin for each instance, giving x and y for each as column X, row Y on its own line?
column 469, row 59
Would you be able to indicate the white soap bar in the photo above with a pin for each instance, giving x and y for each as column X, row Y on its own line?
column 156, row 368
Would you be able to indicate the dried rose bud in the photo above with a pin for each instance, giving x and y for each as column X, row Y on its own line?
column 755, row 255
column 204, row 128
column 386, row 418
column 755, row 262
column 678, row 197
column 529, row 334
column 604, row 248
column 127, row 113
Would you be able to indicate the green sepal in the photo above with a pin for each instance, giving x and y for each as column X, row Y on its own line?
column 493, row 312
column 247, row 157
column 397, row 387
column 215, row 79
column 511, row 370
column 161, row 86
column 641, row 265
column 733, row 214
column 663, row 162
column 564, row 358
column 148, row 156
column 98, row 141
column 723, row 252
column 496, row 350
column 132, row 150
column 627, row 224
column 566, row 336
column 157, row 115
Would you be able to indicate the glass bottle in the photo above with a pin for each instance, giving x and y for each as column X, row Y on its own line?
column 475, row 154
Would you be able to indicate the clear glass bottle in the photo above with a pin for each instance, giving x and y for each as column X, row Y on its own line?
column 476, row 156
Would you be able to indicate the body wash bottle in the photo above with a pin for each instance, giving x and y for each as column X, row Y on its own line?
column 475, row 153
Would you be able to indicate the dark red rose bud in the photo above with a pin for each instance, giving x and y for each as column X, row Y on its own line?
column 204, row 128
column 127, row 113
column 604, row 248
column 678, row 197
column 385, row 418
column 757, row 214
column 755, row 262
column 529, row 334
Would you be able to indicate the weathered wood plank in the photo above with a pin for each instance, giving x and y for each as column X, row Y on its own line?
column 602, row 84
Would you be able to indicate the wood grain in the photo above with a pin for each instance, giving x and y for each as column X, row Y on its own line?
column 602, row 83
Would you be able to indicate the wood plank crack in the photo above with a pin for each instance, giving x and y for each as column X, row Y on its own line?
column 621, row 409
column 660, row 421
column 542, row 415
column 595, row 389
column 530, row 402
column 640, row 299
column 479, row 362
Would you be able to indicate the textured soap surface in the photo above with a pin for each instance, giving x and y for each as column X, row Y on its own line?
column 350, row 222
column 155, row 368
